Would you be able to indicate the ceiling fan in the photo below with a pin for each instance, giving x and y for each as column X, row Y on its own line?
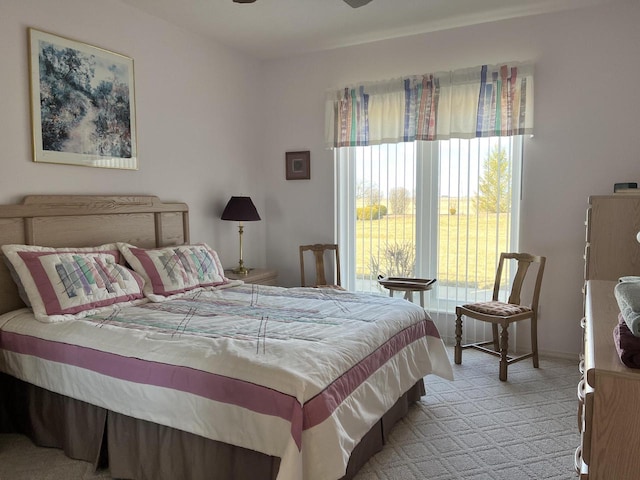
column 352, row 3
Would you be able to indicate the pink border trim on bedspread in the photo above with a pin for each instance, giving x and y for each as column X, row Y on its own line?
column 258, row 398
column 319, row 408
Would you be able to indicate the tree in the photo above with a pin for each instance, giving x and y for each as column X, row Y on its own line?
column 394, row 260
column 369, row 193
column 494, row 193
column 399, row 200
column 65, row 86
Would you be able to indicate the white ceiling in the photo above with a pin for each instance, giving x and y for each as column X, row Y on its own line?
column 276, row 28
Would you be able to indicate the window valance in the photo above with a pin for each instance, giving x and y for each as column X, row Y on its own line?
column 485, row 101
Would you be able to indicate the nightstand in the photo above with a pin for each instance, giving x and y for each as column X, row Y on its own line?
column 261, row 276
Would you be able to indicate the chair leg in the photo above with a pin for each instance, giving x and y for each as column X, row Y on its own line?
column 457, row 351
column 504, row 347
column 534, row 340
column 496, row 341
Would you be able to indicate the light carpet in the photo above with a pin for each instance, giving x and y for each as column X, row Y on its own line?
column 475, row 427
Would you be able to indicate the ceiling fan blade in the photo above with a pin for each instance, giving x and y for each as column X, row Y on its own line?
column 352, row 3
column 356, row 3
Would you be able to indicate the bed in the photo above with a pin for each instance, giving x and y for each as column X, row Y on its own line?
column 219, row 380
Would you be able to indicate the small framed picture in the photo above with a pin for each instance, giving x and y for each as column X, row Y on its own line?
column 298, row 165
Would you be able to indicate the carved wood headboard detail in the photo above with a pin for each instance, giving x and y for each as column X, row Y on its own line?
column 85, row 221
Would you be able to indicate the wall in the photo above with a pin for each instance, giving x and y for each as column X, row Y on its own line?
column 195, row 104
column 586, row 103
column 200, row 132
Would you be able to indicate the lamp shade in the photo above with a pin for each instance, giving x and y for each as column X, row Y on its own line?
column 240, row 209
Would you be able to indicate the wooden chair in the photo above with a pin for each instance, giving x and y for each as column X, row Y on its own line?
column 504, row 314
column 319, row 250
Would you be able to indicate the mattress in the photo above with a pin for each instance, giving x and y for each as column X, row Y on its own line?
column 300, row 373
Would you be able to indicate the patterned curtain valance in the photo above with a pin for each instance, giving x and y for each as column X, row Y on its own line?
column 476, row 102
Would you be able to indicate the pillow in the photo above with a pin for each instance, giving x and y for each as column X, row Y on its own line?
column 111, row 247
column 14, row 276
column 171, row 271
column 67, row 283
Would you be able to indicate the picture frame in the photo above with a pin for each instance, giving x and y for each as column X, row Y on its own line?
column 298, row 165
column 82, row 104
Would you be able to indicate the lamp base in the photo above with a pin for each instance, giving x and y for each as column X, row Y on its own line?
column 241, row 270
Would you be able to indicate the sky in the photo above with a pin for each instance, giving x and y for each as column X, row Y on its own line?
column 390, row 166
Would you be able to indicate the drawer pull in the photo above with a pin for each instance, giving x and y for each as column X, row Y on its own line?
column 581, row 468
column 581, row 390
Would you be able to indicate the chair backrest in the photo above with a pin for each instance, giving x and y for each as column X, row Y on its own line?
column 319, row 250
column 524, row 262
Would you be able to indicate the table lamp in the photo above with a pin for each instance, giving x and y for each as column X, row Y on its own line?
column 240, row 209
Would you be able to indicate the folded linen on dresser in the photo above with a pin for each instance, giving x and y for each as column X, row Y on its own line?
column 627, row 293
column 627, row 344
column 629, row 278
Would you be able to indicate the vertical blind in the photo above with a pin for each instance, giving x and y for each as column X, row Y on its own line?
column 431, row 218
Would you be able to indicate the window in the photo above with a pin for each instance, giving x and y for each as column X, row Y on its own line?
column 428, row 178
column 442, row 209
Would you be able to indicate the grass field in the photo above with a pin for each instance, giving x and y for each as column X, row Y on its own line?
column 467, row 246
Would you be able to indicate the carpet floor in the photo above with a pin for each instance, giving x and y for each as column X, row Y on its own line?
column 474, row 428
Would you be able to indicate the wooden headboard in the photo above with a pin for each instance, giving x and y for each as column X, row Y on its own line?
column 85, row 221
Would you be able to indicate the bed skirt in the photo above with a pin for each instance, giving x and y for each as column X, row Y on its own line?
column 142, row 450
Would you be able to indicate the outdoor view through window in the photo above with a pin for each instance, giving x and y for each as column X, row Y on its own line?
column 440, row 210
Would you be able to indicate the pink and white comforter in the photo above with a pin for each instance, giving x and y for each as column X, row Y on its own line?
column 301, row 374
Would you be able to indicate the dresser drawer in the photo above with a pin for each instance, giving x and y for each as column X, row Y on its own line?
column 587, row 261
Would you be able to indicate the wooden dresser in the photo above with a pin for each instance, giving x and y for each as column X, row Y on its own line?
column 609, row 392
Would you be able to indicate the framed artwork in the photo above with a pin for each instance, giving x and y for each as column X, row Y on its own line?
column 298, row 165
column 82, row 104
